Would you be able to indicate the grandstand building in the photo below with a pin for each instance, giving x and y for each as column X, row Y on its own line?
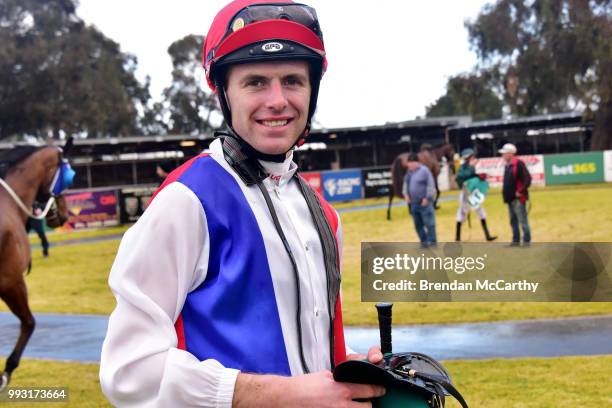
column 129, row 161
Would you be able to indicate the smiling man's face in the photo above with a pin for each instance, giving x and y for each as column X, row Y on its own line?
column 269, row 103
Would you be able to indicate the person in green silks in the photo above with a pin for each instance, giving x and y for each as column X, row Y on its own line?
column 472, row 194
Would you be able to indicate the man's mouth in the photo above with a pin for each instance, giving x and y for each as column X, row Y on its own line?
column 273, row 123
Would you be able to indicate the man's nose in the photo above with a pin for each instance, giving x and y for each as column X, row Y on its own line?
column 277, row 100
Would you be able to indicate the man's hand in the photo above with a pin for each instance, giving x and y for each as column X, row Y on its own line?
column 519, row 194
column 374, row 355
column 318, row 390
column 425, row 202
column 407, row 198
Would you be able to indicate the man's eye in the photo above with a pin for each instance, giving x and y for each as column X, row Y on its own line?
column 257, row 83
column 293, row 82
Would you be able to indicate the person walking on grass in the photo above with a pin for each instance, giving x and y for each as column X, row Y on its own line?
column 465, row 177
column 418, row 191
column 38, row 225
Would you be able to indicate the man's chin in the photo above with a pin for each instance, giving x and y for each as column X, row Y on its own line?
column 275, row 147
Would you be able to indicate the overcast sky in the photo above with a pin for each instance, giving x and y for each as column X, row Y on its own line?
column 388, row 59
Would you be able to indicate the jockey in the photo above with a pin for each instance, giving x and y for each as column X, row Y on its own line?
column 466, row 174
column 228, row 287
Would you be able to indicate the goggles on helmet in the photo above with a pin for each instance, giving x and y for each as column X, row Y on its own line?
column 296, row 12
column 291, row 22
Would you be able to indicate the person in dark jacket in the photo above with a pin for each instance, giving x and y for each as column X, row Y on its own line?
column 515, row 193
column 467, row 171
column 38, row 226
column 418, row 191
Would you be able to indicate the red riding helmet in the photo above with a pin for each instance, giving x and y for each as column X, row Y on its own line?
column 247, row 31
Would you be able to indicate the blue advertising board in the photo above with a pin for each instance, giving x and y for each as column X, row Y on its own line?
column 343, row 185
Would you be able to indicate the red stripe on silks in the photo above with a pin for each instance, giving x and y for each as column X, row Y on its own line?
column 180, row 333
column 339, row 344
column 176, row 173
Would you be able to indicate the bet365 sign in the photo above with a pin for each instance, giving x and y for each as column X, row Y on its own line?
column 574, row 168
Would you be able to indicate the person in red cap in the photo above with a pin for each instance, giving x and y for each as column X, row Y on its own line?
column 228, row 286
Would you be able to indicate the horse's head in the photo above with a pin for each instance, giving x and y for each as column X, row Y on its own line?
column 57, row 178
column 448, row 152
column 58, row 214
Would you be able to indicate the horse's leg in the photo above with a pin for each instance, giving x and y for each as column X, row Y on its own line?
column 16, row 299
column 389, row 207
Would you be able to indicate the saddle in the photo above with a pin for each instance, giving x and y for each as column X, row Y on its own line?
column 412, row 380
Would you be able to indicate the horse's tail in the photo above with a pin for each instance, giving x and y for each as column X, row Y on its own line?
column 397, row 176
column 29, row 267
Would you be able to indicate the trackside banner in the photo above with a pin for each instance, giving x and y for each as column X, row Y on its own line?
column 472, row 272
column 574, row 168
column 91, row 209
column 344, row 185
column 133, row 202
column 493, row 167
column 377, row 182
column 314, row 180
column 608, row 166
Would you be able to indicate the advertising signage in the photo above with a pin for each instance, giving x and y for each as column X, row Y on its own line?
column 314, row 180
column 376, row 182
column 574, row 168
column 91, row 209
column 133, row 202
column 344, row 185
column 608, row 166
column 493, row 167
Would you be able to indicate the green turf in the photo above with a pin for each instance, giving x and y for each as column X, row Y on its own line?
column 501, row 383
column 80, row 379
column 73, row 279
column 567, row 213
column 535, row 382
column 69, row 235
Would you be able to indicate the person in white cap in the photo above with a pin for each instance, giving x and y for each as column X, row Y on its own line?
column 515, row 193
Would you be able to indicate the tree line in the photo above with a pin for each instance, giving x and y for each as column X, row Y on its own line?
column 58, row 75
column 538, row 57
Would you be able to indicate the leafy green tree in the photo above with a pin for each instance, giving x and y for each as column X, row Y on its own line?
column 549, row 56
column 468, row 94
column 187, row 99
column 58, row 75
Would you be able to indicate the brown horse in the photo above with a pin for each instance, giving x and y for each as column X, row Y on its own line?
column 430, row 157
column 27, row 174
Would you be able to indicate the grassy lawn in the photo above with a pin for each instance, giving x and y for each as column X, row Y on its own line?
column 73, row 279
column 500, row 383
column 80, row 379
column 568, row 213
column 533, row 382
column 67, row 235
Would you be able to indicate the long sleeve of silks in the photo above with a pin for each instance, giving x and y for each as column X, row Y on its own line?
column 160, row 260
